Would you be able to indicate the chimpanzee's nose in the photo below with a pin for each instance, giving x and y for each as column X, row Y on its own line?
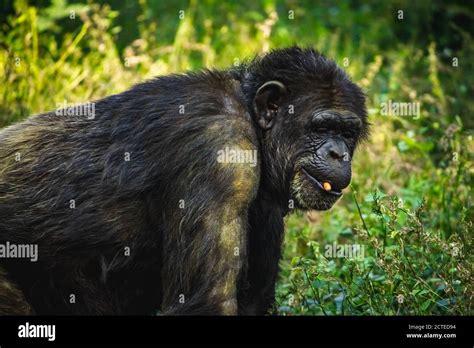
column 337, row 164
column 337, row 150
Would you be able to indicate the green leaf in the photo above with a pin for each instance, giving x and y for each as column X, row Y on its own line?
column 295, row 261
column 425, row 305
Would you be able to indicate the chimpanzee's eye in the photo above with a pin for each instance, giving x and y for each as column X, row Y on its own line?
column 348, row 134
column 321, row 129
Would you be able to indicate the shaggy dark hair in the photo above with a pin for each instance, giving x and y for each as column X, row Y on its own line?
column 157, row 232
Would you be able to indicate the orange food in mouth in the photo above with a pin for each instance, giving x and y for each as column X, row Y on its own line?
column 327, row 186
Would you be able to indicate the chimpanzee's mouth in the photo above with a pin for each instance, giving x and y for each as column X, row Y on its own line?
column 317, row 183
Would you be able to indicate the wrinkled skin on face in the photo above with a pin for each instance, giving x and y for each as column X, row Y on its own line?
column 328, row 145
column 312, row 124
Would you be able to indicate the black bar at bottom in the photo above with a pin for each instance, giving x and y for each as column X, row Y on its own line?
column 332, row 330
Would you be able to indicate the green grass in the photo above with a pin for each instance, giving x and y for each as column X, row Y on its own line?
column 409, row 204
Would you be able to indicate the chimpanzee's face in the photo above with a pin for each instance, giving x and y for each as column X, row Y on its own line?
column 322, row 166
column 315, row 135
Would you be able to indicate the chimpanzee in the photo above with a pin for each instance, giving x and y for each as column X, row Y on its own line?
column 169, row 198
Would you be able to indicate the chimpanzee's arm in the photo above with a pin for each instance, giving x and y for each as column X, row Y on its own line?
column 206, row 227
column 257, row 289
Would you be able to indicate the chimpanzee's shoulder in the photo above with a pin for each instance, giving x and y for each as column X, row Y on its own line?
column 219, row 87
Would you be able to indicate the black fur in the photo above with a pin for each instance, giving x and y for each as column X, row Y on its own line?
column 135, row 204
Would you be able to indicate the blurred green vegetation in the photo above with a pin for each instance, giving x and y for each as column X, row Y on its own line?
column 410, row 201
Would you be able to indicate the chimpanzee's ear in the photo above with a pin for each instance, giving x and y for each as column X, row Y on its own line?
column 267, row 102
